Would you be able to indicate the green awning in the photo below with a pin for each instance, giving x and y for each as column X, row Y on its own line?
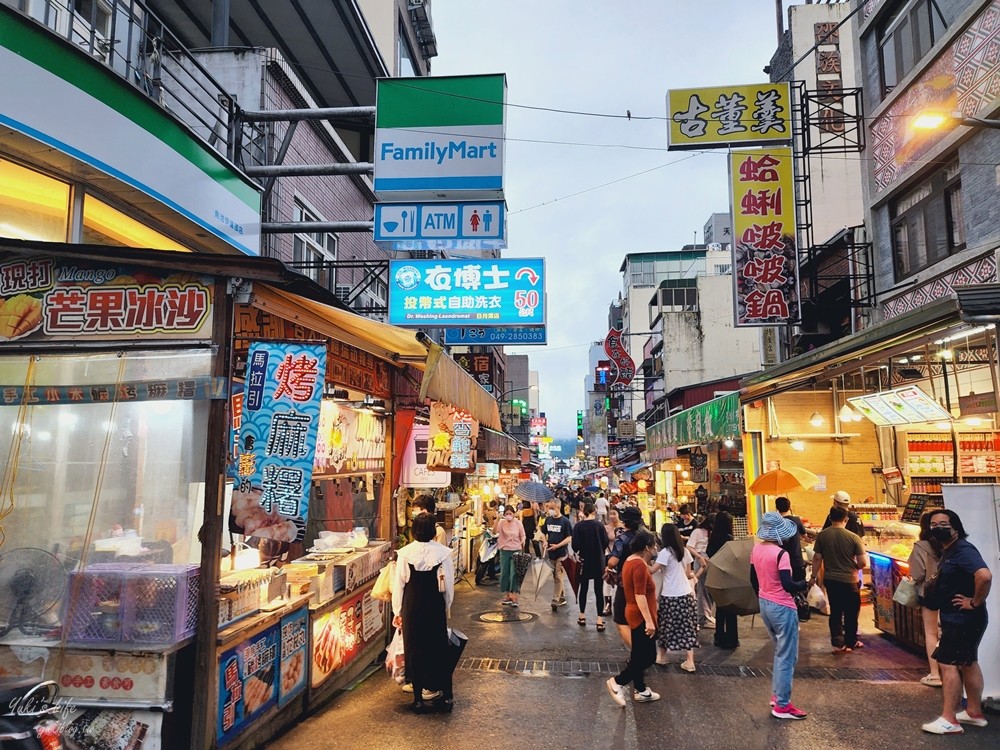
column 711, row 421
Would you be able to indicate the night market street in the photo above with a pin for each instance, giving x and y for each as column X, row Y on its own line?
column 540, row 683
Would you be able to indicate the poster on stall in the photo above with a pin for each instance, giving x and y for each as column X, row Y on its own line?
column 294, row 641
column 453, row 435
column 349, row 441
column 248, row 683
column 340, row 635
column 765, row 251
column 415, row 472
column 104, row 728
column 277, row 442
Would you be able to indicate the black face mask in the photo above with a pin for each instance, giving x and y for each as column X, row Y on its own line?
column 942, row 535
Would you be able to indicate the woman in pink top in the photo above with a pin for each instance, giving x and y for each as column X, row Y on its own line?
column 510, row 539
column 771, row 574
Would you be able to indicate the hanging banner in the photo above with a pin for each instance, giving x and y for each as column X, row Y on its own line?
column 624, row 365
column 453, row 435
column 597, row 412
column 718, row 419
column 765, row 250
column 754, row 114
column 349, row 441
column 277, row 444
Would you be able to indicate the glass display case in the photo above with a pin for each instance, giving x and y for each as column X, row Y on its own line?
column 896, row 540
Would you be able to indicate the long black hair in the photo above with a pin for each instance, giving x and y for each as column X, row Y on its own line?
column 670, row 538
column 722, row 532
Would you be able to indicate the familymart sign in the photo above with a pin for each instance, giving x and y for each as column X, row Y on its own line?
column 440, row 138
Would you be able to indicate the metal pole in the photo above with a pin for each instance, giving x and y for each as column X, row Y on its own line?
column 291, row 227
column 220, row 23
column 320, row 113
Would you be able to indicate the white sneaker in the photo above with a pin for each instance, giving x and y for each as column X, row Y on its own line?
column 429, row 695
column 646, row 696
column 964, row 718
column 940, row 725
column 407, row 688
column 617, row 694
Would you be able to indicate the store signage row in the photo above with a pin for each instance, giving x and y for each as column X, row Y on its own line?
column 348, row 441
column 277, row 443
column 487, row 471
column 47, row 299
column 453, row 436
column 441, row 226
column 765, row 250
column 496, row 292
column 341, row 635
column 347, row 365
column 624, row 365
column 268, row 668
column 442, row 136
column 711, row 421
column 907, row 405
column 754, row 114
column 185, row 389
column 485, row 368
column 520, row 335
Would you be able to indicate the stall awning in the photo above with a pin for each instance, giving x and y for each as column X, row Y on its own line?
column 634, row 467
column 500, row 446
column 713, row 420
column 875, row 344
column 444, row 380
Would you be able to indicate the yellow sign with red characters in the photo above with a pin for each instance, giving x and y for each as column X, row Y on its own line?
column 754, row 114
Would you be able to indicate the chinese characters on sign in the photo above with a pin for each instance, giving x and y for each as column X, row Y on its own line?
column 294, row 643
column 765, row 249
column 453, row 436
column 247, row 682
column 755, row 114
column 829, row 78
column 624, row 365
column 339, row 636
column 277, row 444
column 496, row 292
column 46, row 298
column 349, row 441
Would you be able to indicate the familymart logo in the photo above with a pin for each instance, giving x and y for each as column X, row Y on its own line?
column 432, row 151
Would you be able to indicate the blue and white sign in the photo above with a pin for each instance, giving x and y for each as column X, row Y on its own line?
column 441, row 226
column 448, row 292
column 472, row 336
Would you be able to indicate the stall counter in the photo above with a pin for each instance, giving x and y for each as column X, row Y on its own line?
column 889, row 555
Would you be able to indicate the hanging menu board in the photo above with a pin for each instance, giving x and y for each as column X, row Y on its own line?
column 916, row 505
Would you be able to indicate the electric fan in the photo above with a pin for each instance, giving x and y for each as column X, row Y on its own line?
column 32, row 582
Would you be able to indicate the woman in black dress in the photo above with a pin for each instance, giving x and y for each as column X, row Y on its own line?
column 726, row 635
column 421, row 596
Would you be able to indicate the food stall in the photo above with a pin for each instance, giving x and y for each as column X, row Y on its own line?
column 888, row 552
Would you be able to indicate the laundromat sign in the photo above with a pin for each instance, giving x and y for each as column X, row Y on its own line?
column 49, row 299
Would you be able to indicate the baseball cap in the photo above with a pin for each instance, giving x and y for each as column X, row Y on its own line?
column 630, row 513
column 841, row 497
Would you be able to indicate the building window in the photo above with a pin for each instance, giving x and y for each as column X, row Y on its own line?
column 905, row 36
column 642, row 273
column 33, row 206
column 95, row 13
column 927, row 222
column 314, row 253
column 407, row 65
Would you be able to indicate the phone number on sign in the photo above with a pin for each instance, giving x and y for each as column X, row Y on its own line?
column 506, row 334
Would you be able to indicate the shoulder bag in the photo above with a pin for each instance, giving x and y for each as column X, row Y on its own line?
column 906, row 593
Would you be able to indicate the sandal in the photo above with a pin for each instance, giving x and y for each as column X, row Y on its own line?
column 930, row 681
column 841, row 650
column 581, row 621
column 600, row 627
column 857, row 645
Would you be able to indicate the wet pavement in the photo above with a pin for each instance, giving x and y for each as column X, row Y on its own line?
column 539, row 682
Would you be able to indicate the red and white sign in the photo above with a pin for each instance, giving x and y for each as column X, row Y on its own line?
column 622, row 363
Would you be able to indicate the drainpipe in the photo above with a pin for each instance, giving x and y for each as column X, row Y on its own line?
column 220, row 23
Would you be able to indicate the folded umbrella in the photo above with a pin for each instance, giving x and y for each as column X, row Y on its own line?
column 539, row 573
column 780, row 481
column 534, row 492
column 728, row 578
column 573, row 567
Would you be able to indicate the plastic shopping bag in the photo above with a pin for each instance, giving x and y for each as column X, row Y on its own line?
column 395, row 659
column 382, row 590
column 817, row 599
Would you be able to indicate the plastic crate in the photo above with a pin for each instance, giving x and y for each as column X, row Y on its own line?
column 162, row 603
column 94, row 607
column 132, row 603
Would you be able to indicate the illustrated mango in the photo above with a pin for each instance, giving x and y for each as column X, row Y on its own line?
column 20, row 315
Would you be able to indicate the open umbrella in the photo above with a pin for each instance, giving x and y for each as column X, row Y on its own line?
column 539, row 573
column 592, row 488
column 534, row 492
column 780, row 481
column 728, row 578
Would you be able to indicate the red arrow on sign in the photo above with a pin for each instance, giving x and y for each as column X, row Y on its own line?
column 532, row 276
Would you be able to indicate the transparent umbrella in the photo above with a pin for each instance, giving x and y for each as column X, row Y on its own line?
column 539, row 573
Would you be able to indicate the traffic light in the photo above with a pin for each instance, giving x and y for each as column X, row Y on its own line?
column 579, row 427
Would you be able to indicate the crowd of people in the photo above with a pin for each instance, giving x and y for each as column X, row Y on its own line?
column 653, row 588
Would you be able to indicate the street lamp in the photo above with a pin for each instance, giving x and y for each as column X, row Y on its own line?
column 931, row 120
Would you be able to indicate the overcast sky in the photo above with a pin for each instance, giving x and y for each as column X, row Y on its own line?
column 607, row 58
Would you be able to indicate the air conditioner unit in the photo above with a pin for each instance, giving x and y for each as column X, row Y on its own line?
column 414, row 4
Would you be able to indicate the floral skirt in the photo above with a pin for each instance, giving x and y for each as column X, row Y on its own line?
column 677, row 623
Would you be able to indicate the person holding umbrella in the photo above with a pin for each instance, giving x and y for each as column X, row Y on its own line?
column 726, row 634
column 772, row 574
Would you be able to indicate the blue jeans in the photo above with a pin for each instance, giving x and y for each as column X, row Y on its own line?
column 508, row 576
column 782, row 625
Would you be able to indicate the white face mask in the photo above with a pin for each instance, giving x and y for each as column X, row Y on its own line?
column 508, row 518
column 417, row 512
column 550, row 512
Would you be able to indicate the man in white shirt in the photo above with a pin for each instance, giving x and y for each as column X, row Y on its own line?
column 602, row 505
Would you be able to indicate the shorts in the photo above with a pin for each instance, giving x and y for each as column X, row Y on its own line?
column 959, row 643
column 618, row 607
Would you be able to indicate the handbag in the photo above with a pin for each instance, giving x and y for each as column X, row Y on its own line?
column 802, row 606
column 382, row 591
column 906, row 593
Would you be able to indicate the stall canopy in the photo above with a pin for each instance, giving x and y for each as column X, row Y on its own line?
column 634, row 467
column 444, row 380
column 501, row 447
column 713, row 420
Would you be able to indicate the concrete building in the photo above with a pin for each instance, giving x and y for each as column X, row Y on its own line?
column 932, row 196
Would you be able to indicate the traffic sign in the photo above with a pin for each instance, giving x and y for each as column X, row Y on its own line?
column 441, row 226
column 472, row 336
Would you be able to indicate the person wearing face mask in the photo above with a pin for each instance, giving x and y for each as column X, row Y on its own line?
column 510, row 539
column 558, row 537
column 923, row 564
column 425, row 504
column 841, row 554
column 959, row 593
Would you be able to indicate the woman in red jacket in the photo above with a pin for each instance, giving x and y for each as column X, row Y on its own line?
column 640, row 611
